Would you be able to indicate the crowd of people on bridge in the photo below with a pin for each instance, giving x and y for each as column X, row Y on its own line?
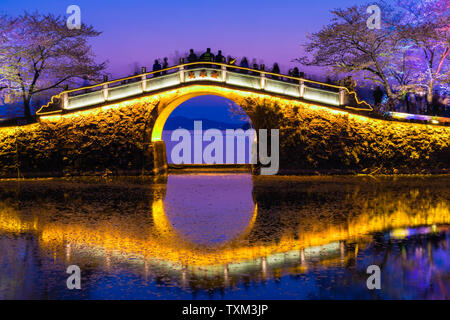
column 410, row 103
column 248, row 68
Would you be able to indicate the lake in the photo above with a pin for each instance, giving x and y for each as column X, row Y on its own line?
column 226, row 236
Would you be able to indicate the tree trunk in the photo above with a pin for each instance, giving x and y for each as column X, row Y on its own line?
column 391, row 98
column 430, row 93
column 27, row 108
column 387, row 87
column 386, row 84
column 389, row 92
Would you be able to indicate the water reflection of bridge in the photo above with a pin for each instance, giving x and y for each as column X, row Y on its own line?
column 270, row 238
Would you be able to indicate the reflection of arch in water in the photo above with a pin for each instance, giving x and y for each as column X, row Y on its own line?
column 134, row 237
column 56, row 234
column 203, row 217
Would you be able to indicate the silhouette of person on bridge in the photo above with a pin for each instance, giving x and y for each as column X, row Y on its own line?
column 192, row 57
column 207, row 57
column 219, row 57
column 276, row 69
column 244, row 64
column 291, row 73
column 294, row 73
column 165, row 65
column 157, row 67
column 255, row 67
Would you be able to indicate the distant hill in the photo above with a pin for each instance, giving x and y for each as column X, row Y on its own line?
column 174, row 123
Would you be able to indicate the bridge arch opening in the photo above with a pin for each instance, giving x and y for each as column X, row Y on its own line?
column 214, row 110
column 164, row 115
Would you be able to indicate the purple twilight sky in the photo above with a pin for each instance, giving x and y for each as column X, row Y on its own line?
column 137, row 32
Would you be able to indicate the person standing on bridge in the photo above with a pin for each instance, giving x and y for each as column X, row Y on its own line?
column 276, row 69
column 291, row 74
column 192, row 57
column 295, row 73
column 255, row 67
column 157, row 67
column 165, row 65
column 219, row 57
column 244, row 64
column 207, row 56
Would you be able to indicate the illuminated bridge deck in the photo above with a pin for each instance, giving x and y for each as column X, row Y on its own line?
column 204, row 73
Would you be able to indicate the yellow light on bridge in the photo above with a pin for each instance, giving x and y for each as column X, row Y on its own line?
column 399, row 233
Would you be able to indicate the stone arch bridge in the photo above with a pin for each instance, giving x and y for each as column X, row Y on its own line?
column 116, row 126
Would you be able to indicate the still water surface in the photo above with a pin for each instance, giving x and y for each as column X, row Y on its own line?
column 226, row 236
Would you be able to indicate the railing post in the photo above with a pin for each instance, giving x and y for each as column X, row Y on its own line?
column 105, row 88
column 302, row 88
column 65, row 100
column 342, row 249
column 263, row 81
column 341, row 96
column 224, row 73
column 144, row 79
column 302, row 256
column 181, row 71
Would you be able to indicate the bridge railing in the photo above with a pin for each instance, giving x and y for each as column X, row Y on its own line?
column 118, row 89
column 417, row 117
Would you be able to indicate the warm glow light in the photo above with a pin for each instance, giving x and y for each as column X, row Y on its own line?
column 96, row 111
column 171, row 99
column 107, row 237
column 183, row 95
column 420, row 117
column 9, row 130
column 399, row 233
column 169, row 81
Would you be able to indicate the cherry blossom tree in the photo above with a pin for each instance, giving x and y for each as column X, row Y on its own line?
column 38, row 53
column 348, row 46
column 411, row 50
column 425, row 25
column 6, row 70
